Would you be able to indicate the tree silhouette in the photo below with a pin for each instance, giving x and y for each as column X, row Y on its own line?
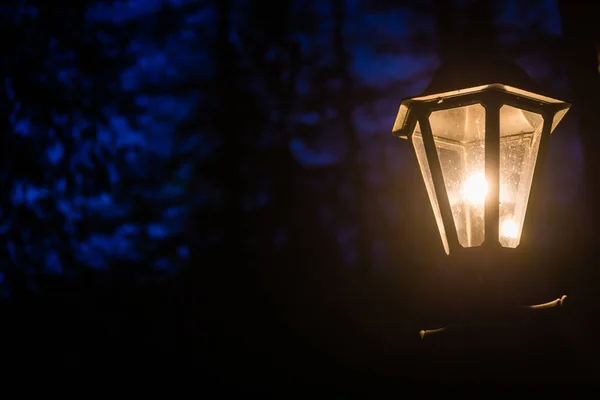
column 580, row 49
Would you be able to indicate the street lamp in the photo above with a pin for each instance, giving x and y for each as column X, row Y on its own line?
column 478, row 132
column 477, row 147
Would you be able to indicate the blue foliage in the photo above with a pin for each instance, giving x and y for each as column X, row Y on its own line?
column 85, row 153
column 55, row 153
column 309, row 157
column 183, row 252
column 53, row 263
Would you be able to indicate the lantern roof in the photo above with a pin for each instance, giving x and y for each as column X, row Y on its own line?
column 456, row 79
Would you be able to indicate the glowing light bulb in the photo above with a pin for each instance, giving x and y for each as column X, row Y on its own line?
column 475, row 189
column 509, row 229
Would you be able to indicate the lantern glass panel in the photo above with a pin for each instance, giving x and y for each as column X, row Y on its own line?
column 520, row 135
column 459, row 137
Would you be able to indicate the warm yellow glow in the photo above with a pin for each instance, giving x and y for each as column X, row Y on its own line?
column 459, row 137
column 509, row 229
column 475, row 189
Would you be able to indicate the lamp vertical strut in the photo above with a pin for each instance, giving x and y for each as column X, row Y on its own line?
column 492, row 168
column 438, row 180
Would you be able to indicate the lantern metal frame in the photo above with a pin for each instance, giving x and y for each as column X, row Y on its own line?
column 491, row 97
column 477, row 264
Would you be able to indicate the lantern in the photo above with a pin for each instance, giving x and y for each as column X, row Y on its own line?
column 477, row 148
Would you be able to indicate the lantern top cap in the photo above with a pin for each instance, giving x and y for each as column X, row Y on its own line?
column 400, row 125
column 471, row 69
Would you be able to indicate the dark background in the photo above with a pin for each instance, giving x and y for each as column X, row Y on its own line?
column 212, row 187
